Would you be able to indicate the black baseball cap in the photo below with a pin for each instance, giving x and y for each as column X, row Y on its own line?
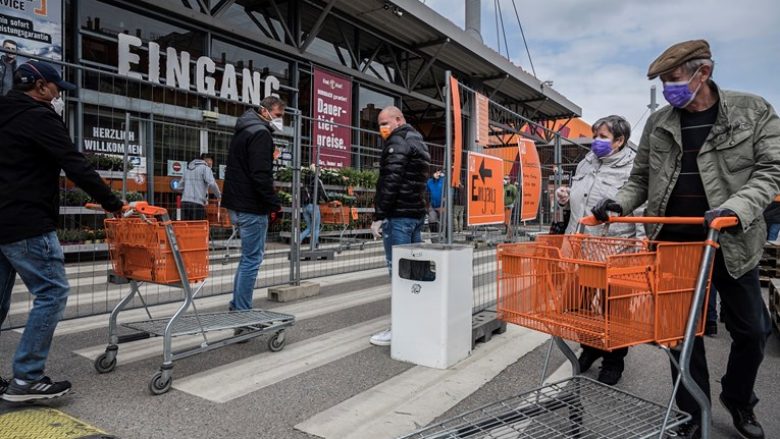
column 33, row 70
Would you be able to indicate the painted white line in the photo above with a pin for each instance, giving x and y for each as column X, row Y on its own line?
column 150, row 347
column 204, row 303
column 225, row 383
column 416, row 397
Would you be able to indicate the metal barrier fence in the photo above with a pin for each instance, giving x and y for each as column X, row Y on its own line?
column 140, row 136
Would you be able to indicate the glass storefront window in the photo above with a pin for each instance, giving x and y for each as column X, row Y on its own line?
column 101, row 18
column 223, row 52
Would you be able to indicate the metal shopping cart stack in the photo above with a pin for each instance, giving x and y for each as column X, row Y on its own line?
column 219, row 219
column 606, row 293
column 146, row 246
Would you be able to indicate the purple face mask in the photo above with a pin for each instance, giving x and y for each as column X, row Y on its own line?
column 601, row 147
column 678, row 94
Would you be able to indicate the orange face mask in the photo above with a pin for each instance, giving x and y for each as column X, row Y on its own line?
column 385, row 131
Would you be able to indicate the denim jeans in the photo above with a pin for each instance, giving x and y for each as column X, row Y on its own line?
column 311, row 214
column 712, row 306
column 397, row 231
column 40, row 263
column 773, row 230
column 252, row 229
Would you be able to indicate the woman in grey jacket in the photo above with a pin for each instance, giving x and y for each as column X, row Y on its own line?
column 599, row 175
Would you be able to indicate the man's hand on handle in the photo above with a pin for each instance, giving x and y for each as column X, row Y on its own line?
column 710, row 215
column 601, row 209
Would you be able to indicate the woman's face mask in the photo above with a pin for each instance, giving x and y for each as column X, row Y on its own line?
column 601, row 147
column 678, row 94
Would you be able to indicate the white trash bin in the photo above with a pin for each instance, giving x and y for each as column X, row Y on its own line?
column 432, row 297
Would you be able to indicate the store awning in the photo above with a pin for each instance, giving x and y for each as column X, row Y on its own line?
column 423, row 28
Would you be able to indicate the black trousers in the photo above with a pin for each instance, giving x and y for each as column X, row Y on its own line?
column 192, row 211
column 609, row 360
column 747, row 321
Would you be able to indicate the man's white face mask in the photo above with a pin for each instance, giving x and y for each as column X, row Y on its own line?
column 277, row 123
column 59, row 105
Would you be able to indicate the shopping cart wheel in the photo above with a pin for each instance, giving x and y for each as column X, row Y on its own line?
column 277, row 341
column 157, row 386
column 103, row 364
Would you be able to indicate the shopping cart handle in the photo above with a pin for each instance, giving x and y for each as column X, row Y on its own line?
column 94, row 206
column 147, row 209
column 717, row 224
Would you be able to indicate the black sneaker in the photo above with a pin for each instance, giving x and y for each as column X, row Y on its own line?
column 587, row 358
column 3, row 385
column 711, row 329
column 44, row 388
column 688, row 430
column 609, row 376
column 744, row 420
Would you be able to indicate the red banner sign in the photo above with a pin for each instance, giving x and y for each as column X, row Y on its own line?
column 332, row 102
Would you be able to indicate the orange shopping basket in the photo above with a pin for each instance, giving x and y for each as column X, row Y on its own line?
column 334, row 213
column 218, row 216
column 603, row 292
column 140, row 250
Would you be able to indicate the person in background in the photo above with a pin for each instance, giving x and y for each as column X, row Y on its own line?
column 399, row 203
column 435, row 190
column 598, row 176
column 249, row 192
column 772, row 218
column 196, row 182
column 7, row 66
column 510, row 199
column 712, row 153
column 36, row 146
column 311, row 209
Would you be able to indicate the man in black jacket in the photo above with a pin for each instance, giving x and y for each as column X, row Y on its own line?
column 36, row 145
column 399, row 204
column 7, row 66
column 249, row 191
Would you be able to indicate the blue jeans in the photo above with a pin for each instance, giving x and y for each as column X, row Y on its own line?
column 773, row 231
column 253, row 229
column 397, row 231
column 712, row 306
column 40, row 263
column 311, row 214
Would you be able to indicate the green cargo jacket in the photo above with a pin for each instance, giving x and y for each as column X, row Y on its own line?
column 739, row 164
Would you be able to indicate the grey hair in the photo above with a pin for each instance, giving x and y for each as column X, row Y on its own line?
column 270, row 102
column 616, row 125
column 691, row 66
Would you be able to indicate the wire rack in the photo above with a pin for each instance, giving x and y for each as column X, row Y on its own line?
column 575, row 408
column 188, row 324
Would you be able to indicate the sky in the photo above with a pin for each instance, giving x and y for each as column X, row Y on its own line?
column 597, row 51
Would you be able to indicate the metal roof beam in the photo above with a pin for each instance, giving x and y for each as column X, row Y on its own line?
column 315, row 30
column 221, row 7
column 431, row 43
column 258, row 24
column 498, row 87
column 372, row 57
column 283, row 21
column 424, row 68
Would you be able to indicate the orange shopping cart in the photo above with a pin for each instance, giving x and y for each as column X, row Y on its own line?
column 607, row 293
column 335, row 213
column 146, row 246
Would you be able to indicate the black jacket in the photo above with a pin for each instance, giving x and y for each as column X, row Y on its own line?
column 249, row 177
column 772, row 213
column 35, row 145
column 400, row 192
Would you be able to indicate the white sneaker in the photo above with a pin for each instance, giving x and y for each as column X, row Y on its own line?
column 381, row 338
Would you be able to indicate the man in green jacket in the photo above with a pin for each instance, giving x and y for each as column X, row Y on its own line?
column 712, row 153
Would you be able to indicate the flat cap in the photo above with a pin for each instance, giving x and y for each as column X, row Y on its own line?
column 678, row 54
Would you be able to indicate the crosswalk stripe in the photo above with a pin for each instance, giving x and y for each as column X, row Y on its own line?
column 418, row 396
column 225, row 383
column 141, row 349
column 203, row 303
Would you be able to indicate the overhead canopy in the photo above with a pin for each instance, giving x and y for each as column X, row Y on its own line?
column 421, row 27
